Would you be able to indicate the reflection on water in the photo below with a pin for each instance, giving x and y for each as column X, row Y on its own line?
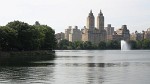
column 83, row 67
column 25, row 75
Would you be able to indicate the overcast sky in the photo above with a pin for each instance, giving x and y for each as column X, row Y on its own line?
column 59, row 14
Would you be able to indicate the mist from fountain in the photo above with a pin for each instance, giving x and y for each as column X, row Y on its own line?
column 124, row 45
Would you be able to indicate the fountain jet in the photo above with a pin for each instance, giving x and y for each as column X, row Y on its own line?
column 124, row 45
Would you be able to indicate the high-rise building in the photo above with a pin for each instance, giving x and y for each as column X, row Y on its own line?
column 60, row 36
column 91, row 33
column 147, row 34
column 121, row 34
column 100, row 21
column 90, row 21
column 67, row 32
column 136, row 36
column 109, row 31
column 75, row 34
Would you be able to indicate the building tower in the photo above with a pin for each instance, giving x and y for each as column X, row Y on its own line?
column 100, row 21
column 90, row 21
column 92, row 34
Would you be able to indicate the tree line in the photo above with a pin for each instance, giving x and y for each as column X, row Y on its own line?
column 111, row 44
column 20, row 36
column 79, row 45
column 139, row 44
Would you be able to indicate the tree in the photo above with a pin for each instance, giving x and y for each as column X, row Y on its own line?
column 102, row 45
column 77, row 45
column 139, row 44
column 146, row 44
column 63, row 44
column 7, row 38
column 113, row 44
column 49, row 39
column 18, row 35
column 23, row 34
column 87, row 45
column 132, row 44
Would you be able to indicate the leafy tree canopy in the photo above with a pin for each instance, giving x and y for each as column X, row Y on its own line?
column 19, row 35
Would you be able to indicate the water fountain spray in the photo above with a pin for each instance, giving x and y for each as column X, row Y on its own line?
column 124, row 45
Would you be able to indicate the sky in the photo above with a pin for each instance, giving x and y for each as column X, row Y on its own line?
column 59, row 14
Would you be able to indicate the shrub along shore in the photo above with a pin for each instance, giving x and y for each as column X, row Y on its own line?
column 12, row 57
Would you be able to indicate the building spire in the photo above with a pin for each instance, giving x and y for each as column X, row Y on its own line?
column 91, row 14
column 100, row 12
column 91, row 11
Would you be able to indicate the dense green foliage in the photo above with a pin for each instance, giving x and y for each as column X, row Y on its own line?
column 65, row 44
column 16, row 36
column 144, row 44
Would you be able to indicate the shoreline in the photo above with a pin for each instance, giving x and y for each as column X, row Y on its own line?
column 15, row 57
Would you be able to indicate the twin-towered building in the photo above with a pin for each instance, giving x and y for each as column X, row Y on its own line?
column 97, row 33
column 93, row 33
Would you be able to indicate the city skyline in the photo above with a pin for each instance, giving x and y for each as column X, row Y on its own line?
column 60, row 14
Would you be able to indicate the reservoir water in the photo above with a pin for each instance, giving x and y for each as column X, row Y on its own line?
column 83, row 67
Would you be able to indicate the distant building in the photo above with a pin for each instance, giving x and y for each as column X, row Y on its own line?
column 121, row 34
column 98, row 33
column 60, row 36
column 67, row 32
column 92, row 33
column 147, row 34
column 141, row 36
column 75, row 34
column 136, row 36
column 37, row 23
column 115, row 36
column 109, row 31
